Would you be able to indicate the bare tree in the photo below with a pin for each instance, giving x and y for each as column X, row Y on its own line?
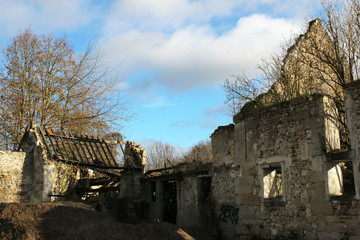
column 334, row 58
column 322, row 60
column 285, row 75
column 201, row 152
column 241, row 89
column 45, row 82
column 161, row 155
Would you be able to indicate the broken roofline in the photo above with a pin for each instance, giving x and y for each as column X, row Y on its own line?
column 77, row 150
column 81, row 149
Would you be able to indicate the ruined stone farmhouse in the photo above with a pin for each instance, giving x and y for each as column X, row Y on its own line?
column 278, row 173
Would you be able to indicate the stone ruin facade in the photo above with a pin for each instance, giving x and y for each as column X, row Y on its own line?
column 286, row 181
column 277, row 173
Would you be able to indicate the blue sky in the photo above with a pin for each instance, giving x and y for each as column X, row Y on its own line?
column 171, row 55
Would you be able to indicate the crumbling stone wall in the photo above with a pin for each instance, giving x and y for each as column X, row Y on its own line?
column 12, row 186
column 188, row 212
column 131, row 197
column 30, row 176
column 193, row 207
column 48, row 176
column 292, row 138
column 135, row 155
column 301, row 71
column 192, row 181
column 352, row 106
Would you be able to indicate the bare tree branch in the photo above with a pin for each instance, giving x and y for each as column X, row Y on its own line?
column 44, row 81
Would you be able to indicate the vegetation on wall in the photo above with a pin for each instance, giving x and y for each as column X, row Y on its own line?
column 322, row 60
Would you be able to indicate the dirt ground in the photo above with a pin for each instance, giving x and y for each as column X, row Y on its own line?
column 71, row 220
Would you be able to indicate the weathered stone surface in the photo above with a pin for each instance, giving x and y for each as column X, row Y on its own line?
column 12, row 185
column 321, row 208
column 289, row 139
column 328, row 235
column 294, row 136
column 223, row 146
column 29, row 176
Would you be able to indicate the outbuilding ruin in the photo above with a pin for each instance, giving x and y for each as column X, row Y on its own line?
column 278, row 172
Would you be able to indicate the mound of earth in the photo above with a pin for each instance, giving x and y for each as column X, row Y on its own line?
column 71, row 220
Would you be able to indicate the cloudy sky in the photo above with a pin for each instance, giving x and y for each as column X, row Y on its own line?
column 172, row 55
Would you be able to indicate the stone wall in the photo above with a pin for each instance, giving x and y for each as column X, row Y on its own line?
column 186, row 189
column 131, row 196
column 12, row 186
column 352, row 106
column 187, row 202
column 286, row 143
column 189, row 209
column 30, row 176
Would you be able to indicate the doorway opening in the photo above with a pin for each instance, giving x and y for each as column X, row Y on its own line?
column 170, row 202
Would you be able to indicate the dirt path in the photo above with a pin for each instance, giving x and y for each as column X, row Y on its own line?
column 70, row 220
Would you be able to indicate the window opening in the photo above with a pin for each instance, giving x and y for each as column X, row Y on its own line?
column 340, row 178
column 273, row 182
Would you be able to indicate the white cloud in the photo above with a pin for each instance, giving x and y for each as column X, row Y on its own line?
column 196, row 55
column 45, row 15
column 169, row 15
column 164, row 14
column 175, row 39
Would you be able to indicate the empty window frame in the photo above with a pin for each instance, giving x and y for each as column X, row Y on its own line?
column 273, row 183
column 340, row 179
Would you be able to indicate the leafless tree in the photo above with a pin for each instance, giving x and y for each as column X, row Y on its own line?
column 45, row 82
column 322, row 60
column 241, row 89
column 201, row 152
column 161, row 154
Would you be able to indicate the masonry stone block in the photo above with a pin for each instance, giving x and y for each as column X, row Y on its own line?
column 318, row 190
column 328, row 235
column 247, row 212
column 321, row 208
column 263, row 215
column 311, row 236
column 336, row 227
column 242, row 190
column 250, row 199
column 332, row 219
column 316, row 177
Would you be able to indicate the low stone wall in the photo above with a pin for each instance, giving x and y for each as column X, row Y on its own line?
column 12, row 184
